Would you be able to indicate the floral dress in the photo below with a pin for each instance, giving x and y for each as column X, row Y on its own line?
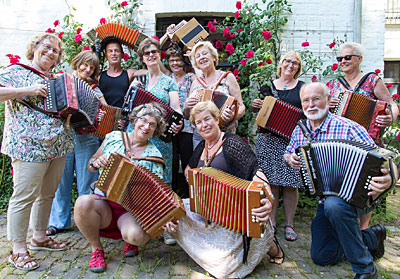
column 366, row 89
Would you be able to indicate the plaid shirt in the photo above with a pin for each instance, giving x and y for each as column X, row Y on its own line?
column 333, row 127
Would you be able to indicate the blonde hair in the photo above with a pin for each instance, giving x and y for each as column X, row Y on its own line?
column 298, row 58
column 210, row 47
column 87, row 56
column 204, row 106
column 38, row 39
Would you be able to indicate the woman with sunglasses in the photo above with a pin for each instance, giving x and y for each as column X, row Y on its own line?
column 270, row 147
column 350, row 58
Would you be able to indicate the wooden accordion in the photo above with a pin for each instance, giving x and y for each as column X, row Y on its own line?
column 226, row 200
column 362, row 110
column 142, row 193
column 137, row 96
column 73, row 99
column 219, row 99
column 109, row 121
column 278, row 117
column 343, row 168
column 128, row 36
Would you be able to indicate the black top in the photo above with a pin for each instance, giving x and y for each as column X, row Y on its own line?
column 218, row 162
column 290, row 96
column 114, row 88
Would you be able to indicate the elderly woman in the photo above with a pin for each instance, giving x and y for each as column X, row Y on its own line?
column 221, row 252
column 98, row 217
column 350, row 58
column 86, row 67
column 271, row 147
column 37, row 144
column 205, row 57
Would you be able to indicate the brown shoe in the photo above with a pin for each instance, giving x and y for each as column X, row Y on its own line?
column 46, row 245
column 21, row 261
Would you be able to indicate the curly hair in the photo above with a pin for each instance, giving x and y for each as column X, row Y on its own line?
column 38, row 39
column 144, row 45
column 151, row 109
column 90, row 57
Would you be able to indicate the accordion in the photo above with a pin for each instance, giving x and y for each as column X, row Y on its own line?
column 278, row 117
column 109, row 121
column 141, row 193
column 219, row 99
column 186, row 34
column 128, row 36
column 73, row 99
column 362, row 110
column 226, row 200
column 137, row 96
column 343, row 168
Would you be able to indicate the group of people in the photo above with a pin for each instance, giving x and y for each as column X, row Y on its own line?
column 45, row 154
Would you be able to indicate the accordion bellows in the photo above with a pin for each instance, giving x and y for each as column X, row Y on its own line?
column 343, row 168
column 109, row 121
column 142, row 193
column 127, row 35
column 226, row 200
column 278, row 117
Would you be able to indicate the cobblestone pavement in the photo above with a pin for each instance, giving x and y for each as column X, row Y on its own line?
column 157, row 260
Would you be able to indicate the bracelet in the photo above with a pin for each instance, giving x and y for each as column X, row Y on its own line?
column 91, row 164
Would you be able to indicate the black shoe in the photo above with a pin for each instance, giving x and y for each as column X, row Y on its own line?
column 373, row 275
column 380, row 232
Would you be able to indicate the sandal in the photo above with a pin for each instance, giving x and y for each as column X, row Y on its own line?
column 97, row 262
column 46, row 245
column 277, row 259
column 51, row 230
column 130, row 250
column 290, row 236
column 21, row 261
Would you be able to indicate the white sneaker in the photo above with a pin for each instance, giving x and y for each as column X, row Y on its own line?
column 168, row 239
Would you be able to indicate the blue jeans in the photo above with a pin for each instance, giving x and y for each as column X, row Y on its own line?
column 336, row 236
column 84, row 147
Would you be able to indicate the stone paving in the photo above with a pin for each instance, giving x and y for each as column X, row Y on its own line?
column 157, row 260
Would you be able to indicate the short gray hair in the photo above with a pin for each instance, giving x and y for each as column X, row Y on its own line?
column 151, row 109
column 320, row 85
column 356, row 47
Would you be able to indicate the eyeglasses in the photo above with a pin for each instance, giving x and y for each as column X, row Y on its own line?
column 346, row 57
column 147, row 53
column 294, row 63
column 48, row 48
column 314, row 100
column 152, row 125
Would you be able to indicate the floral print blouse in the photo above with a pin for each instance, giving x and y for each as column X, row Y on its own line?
column 366, row 89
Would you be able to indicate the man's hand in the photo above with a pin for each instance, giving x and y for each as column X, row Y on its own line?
column 292, row 160
column 380, row 183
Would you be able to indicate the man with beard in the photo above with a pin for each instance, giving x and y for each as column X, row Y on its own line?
column 335, row 230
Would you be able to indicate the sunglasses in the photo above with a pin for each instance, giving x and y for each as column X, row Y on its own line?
column 147, row 53
column 346, row 57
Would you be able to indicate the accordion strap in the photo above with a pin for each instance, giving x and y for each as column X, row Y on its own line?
column 205, row 85
column 346, row 85
column 303, row 126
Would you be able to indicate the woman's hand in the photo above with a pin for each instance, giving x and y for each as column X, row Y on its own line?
column 263, row 212
column 136, row 83
column 122, row 124
column 228, row 114
column 100, row 162
column 176, row 127
column 36, row 90
column 333, row 102
column 384, row 120
column 189, row 104
column 171, row 226
column 256, row 105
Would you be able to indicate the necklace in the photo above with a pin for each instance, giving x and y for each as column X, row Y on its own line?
column 284, row 87
column 210, row 147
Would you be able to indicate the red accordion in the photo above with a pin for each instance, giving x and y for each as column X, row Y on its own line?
column 109, row 121
column 73, row 99
column 362, row 110
column 142, row 193
column 137, row 96
column 278, row 117
column 128, row 36
column 226, row 200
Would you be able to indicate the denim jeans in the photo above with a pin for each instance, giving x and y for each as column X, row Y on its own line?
column 336, row 236
column 84, row 147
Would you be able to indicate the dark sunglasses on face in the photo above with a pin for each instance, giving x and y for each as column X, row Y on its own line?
column 346, row 57
column 147, row 53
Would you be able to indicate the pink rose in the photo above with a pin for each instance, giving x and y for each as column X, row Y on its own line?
column 225, row 31
column 398, row 136
column 126, row 56
column 250, row 54
column 243, row 62
column 236, row 71
column 103, row 20
column 163, row 54
column 267, row 35
column 56, row 23
column 214, row 21
column 78, row 38
column 334, row 67
column 331, row 45
column 237, row 14
column 212, row 29
column 233, row 35
column 389, row 85
column 86, row 48
column 60, row 35
column 377, row 71
column 12, row 172
column 261, row 63
column 238, row 5
column 123, row 4
column 157, row 38
column 305, row 44
column 268, row 61
column 218, row 45
column 314, row 78
column 230, row 49
column 210, row 24
column 78, row 31
column 239, row 30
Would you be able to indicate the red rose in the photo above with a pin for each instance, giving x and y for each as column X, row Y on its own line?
column 331, row 45
column 61, row 72
column 334, row 67
column 78, row 38
column 17, row 56
column 123, row 4
column 314, row 78
column 9, row 55
column 236, row 71
column 86, row 48
column 49, row 30
column 250, row 54
column 243, row 62
column 210, row 24
column 163, row 54
column 261, row 63
column 126, row 56
column 214, row 21
column 218, row 45
column 398, row 137
column 237, row 14
column 103, row 20
column 212, row 29
column 60, row 35
column 269, row 61
column 56, row 23
column 14, row 60
column 389, row 85
column 157, row 38
column 395, row 96
column 230, row 49
column 225, row 31
column 377, row 71
column 237, row 77
column 267, row 35
column 233, row 35
column 238, row 5
column 305, row 44
column 12, row 172
column 239, row 30
column 78, row 31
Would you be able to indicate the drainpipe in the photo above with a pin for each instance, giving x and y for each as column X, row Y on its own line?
column 357, row 21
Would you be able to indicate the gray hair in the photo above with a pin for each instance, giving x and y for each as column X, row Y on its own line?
column 322, row 87
column 151, row 109
column 356, row 47
column 211, row 48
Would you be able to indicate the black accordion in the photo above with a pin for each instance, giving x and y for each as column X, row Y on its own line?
column 343, row 168
column 137, row 96
column 72, row 99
